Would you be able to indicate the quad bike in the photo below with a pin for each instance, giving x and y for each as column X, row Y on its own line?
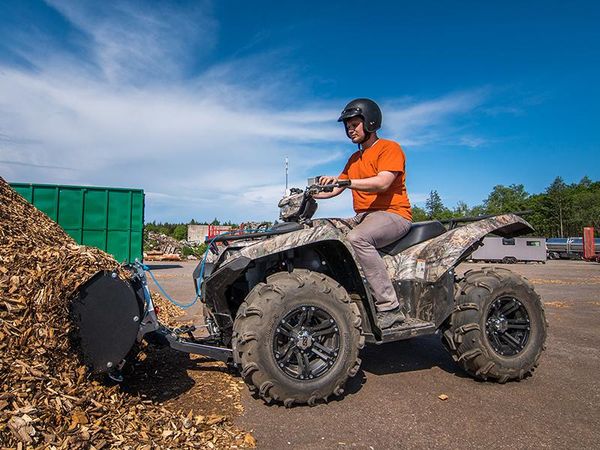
column 290, row 307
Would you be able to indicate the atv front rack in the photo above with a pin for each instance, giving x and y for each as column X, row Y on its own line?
column 280, row 228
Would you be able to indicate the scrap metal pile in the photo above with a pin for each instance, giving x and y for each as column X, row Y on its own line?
column 47, row 399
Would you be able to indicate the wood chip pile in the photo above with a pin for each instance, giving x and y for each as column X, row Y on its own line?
column 47, row 399
column 168, row 313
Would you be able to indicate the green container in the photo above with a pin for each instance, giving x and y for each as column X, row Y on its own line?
column 111, row 219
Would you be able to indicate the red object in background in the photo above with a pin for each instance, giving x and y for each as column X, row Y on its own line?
column 589, row 246
column 215, row 230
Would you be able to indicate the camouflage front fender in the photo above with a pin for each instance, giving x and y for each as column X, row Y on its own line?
column 323, row 231
column 429, row 260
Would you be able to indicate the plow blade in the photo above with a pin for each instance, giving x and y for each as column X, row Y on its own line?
column 106, row 315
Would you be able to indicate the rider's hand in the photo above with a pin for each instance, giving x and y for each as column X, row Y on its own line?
column 327, row 180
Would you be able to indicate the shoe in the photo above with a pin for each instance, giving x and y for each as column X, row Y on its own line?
column 388, row 318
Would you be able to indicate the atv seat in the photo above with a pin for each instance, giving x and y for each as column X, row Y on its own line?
column 419, row 232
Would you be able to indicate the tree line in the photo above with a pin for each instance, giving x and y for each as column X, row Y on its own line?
column 562, row 210
column 179, row 230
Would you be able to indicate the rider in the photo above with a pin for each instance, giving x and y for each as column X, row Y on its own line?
column 376, row 172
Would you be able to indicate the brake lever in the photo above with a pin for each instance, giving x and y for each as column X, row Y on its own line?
column 316, row 188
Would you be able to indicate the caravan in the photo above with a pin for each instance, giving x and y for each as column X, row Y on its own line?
column 511, row 250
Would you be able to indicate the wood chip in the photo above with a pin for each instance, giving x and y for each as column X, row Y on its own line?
column 47, row 398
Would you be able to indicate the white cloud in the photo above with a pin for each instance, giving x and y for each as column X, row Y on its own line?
column 202, row 147
column 431, row 121
column 132, row 41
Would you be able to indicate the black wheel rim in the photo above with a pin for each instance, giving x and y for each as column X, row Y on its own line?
column 306, row 343
column 507, row 326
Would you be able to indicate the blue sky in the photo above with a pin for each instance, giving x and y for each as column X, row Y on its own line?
column 198, row 103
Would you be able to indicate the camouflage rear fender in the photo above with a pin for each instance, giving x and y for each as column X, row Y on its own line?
column 429, row 260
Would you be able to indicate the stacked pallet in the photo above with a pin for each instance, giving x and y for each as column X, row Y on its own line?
column 47, row 399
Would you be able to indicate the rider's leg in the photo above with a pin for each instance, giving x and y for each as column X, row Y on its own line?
column 377, row 230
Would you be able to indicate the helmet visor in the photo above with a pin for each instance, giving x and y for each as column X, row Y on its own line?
column 348, row 113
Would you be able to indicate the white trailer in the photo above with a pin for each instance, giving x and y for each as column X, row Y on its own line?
column 511, row 250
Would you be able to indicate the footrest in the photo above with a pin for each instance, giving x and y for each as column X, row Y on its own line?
column 407, row 329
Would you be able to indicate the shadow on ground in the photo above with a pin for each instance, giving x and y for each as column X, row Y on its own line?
column 181, row 381
column 410, row 355
column 163, row 266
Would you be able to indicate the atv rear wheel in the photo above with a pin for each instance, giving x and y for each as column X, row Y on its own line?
column 498, row 328
column 297, row 337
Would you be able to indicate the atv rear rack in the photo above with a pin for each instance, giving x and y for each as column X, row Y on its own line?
column 452, row 223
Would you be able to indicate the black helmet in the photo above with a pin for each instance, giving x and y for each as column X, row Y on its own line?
column 365, row 108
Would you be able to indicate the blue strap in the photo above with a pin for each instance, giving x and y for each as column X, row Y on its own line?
column 180, row 305
column 198, row 291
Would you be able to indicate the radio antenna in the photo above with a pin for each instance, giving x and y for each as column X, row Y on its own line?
column 286, row 176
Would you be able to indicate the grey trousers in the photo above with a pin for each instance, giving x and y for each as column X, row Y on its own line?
column 372, row 231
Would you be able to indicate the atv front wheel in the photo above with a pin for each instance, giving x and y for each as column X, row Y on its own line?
column 297, row 337
column 498, row 328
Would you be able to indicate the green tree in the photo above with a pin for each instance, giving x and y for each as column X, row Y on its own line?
column 557, row 204
column 419, row 214
column 537, row 217
column 504, row 199
column 461, row 210
column 180, row 232
column 477, row 210
column 584, row 199
column 435, row 207
column 586, row 182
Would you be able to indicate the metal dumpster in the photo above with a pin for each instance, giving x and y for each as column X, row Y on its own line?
column 111, row 219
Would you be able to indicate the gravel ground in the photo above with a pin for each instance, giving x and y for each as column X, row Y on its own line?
column 393, row 401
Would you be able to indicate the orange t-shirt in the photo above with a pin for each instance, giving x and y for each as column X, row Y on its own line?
column 384, row 155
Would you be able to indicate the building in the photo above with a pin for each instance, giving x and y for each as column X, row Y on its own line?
column 197, row 234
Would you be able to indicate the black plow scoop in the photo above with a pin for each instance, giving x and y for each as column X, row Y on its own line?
column 110, row 314
column 106, row 316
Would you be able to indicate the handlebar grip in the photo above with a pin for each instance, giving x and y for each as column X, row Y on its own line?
column 343, row 183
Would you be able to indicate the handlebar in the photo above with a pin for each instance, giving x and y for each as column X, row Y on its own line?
column 299, row 206
column 316, row 188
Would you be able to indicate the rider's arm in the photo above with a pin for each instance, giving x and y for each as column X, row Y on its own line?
column 323, row 195
column 379, row 183
column 331, row 180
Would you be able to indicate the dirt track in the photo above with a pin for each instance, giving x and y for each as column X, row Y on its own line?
column 393, row 401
